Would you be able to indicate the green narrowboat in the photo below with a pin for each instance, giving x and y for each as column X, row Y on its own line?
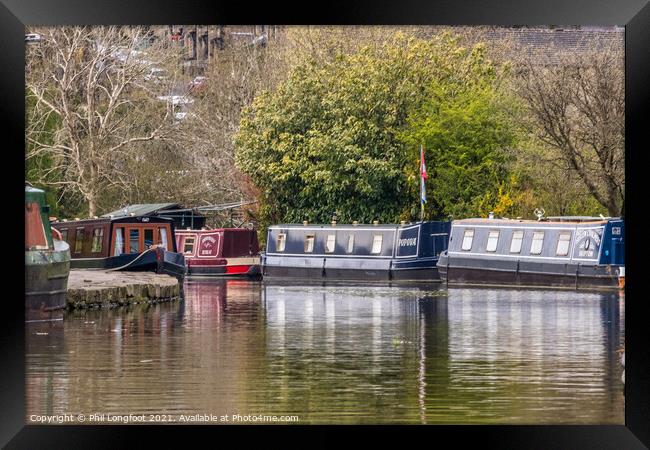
column 47, row 262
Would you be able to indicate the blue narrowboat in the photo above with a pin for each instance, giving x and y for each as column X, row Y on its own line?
column 564, row 252
column 355, row 252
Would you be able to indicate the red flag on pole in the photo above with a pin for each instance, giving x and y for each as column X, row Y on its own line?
column 423, row 167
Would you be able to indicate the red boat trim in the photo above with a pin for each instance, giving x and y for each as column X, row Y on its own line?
column 237, row 269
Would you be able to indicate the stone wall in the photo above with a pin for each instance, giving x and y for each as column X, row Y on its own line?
column 100, row 288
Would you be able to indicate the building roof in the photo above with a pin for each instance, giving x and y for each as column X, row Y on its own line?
column 547, row 44
column 141, row 209
column 542, row 45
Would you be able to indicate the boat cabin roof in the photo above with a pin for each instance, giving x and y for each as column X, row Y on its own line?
column 103, row 220
column 214, row 230
column 537, row 223
column 347, row 226
column 580, row 218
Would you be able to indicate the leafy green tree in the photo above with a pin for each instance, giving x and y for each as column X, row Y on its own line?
column 465, row 125
column 342, row 136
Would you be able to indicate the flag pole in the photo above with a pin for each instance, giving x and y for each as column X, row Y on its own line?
column 421, row 203
column 423, row 176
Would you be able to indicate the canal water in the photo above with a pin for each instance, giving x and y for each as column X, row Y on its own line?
column 338, row 354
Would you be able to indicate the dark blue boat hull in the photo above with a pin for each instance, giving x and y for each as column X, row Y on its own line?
column 527, row 274
column 350, row 269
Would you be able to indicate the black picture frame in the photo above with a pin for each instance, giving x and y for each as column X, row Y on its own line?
column 633, row 14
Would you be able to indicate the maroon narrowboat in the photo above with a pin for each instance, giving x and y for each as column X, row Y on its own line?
column 220, row 252
column 132, row 243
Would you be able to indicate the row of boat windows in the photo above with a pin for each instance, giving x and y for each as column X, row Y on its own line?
column 96, row 245
column 134, row 244
column 536, row 245
column 330, row 243
column 131, row 245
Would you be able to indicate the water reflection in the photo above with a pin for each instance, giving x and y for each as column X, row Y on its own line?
column 339, row 354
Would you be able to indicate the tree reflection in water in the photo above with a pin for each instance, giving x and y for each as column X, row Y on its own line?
column 339, row 354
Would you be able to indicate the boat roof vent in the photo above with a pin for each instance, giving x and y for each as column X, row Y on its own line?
column 375, row 222
column 305, row 223
column 333, row 222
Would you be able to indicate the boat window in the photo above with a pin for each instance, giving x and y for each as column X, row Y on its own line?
column 330, row 244
column 188, row 246
column 64, row 234
column 493, row 240
column 119, row 241
column 538, row 242
column 79, row 240
column 350, row 243
column 468, row 238
column 563, row 244
column 163, row 238
column 134, row 240
column 281, row 242
column 148, row 237
column 517, row 239
column 376, row 243
column 98, row 240
column 309, row 243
